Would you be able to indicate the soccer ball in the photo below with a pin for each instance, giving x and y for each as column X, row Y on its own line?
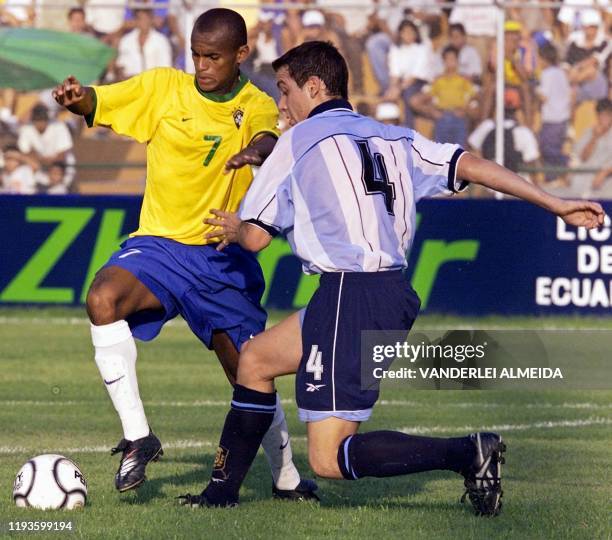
column 48, row 482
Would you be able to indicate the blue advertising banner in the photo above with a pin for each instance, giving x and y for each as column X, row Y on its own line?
column 470, row 257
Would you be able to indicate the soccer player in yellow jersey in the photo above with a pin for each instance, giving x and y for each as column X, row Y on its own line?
column 202, row 135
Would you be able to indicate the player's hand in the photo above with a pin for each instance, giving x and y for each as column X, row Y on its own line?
column 248, row 156
column 228, row 224
column 69, row 92
column 582, row 214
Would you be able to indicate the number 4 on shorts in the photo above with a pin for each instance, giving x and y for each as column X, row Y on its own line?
column 314, row 364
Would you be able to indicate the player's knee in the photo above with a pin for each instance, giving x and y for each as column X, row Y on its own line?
column 324, row 464
column 250, row 364
column 102, row 302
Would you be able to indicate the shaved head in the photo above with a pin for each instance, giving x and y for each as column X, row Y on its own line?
column 226, row 20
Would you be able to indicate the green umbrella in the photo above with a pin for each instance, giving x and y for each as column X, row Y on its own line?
column 32, row 59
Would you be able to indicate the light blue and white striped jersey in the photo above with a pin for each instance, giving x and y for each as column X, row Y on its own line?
column 343, row 188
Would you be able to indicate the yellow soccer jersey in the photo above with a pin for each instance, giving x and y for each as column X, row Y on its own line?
column 190, row 135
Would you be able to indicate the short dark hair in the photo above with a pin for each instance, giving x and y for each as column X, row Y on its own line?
column 40, row 112
column 76, row 10
column 549, row 53
column 415, row 29
column 228, row 20
column 458, row 27
column 10, row 148
column 316, row 59
column 60, row 164
column 450, row 49
column 604, row 105
column 147, row 11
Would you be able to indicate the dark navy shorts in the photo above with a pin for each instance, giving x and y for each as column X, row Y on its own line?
column 328, row 381
column 211, row 290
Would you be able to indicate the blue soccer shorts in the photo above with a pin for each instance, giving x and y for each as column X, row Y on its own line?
column 212, row 290
column 328, row 381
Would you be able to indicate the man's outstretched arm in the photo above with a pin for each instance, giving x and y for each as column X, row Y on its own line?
column 76, row 98
column 487, row 173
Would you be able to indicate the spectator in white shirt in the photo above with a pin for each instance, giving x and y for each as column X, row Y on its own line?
column 143, row 48
column 575, row 13
column 470, row 63
column 77, row 23
column 585, row 56
column 383, row 23
column 593, row 152
column 479, row 21
column 410, row 67
column 47, row 142
column 555, row 94
column 53, row 182
column 264, row 42
column 17, row 13
column 17, row 174
column 520, row 143
column 106, row 19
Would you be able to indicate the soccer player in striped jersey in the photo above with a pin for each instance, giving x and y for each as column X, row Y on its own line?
column 342, row 188
column 202, row 133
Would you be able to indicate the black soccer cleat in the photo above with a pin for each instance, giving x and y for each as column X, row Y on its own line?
column 304, row 491
column 136, row 456
column 483, row 479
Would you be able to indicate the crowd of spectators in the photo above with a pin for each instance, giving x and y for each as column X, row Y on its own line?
column 42, row 159
column 426, row 65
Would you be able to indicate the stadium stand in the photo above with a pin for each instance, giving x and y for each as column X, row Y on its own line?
column 566, row 47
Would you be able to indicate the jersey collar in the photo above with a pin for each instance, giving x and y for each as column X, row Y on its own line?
column 220, row 98
column 329, row 105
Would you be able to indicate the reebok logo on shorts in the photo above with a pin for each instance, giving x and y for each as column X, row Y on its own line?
column 313, row 387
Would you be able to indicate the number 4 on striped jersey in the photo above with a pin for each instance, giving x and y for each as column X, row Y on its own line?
column 315, row 364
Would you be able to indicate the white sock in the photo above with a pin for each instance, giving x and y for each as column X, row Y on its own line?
column 277, row 447
column 116, row 361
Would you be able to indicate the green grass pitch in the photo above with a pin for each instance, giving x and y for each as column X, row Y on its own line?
column 557, row 480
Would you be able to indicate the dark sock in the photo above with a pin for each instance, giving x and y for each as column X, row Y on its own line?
column 246, row 424
column 391, row 453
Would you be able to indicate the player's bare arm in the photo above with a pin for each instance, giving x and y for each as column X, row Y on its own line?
column 254, row 154
column 232, row 230
column 76, row 98
column 601, row 177
column 487, row 173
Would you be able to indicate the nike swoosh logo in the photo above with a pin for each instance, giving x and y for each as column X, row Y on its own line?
column 185, row 119
column 129, row 252
column 283, row 446
column 113, row 381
